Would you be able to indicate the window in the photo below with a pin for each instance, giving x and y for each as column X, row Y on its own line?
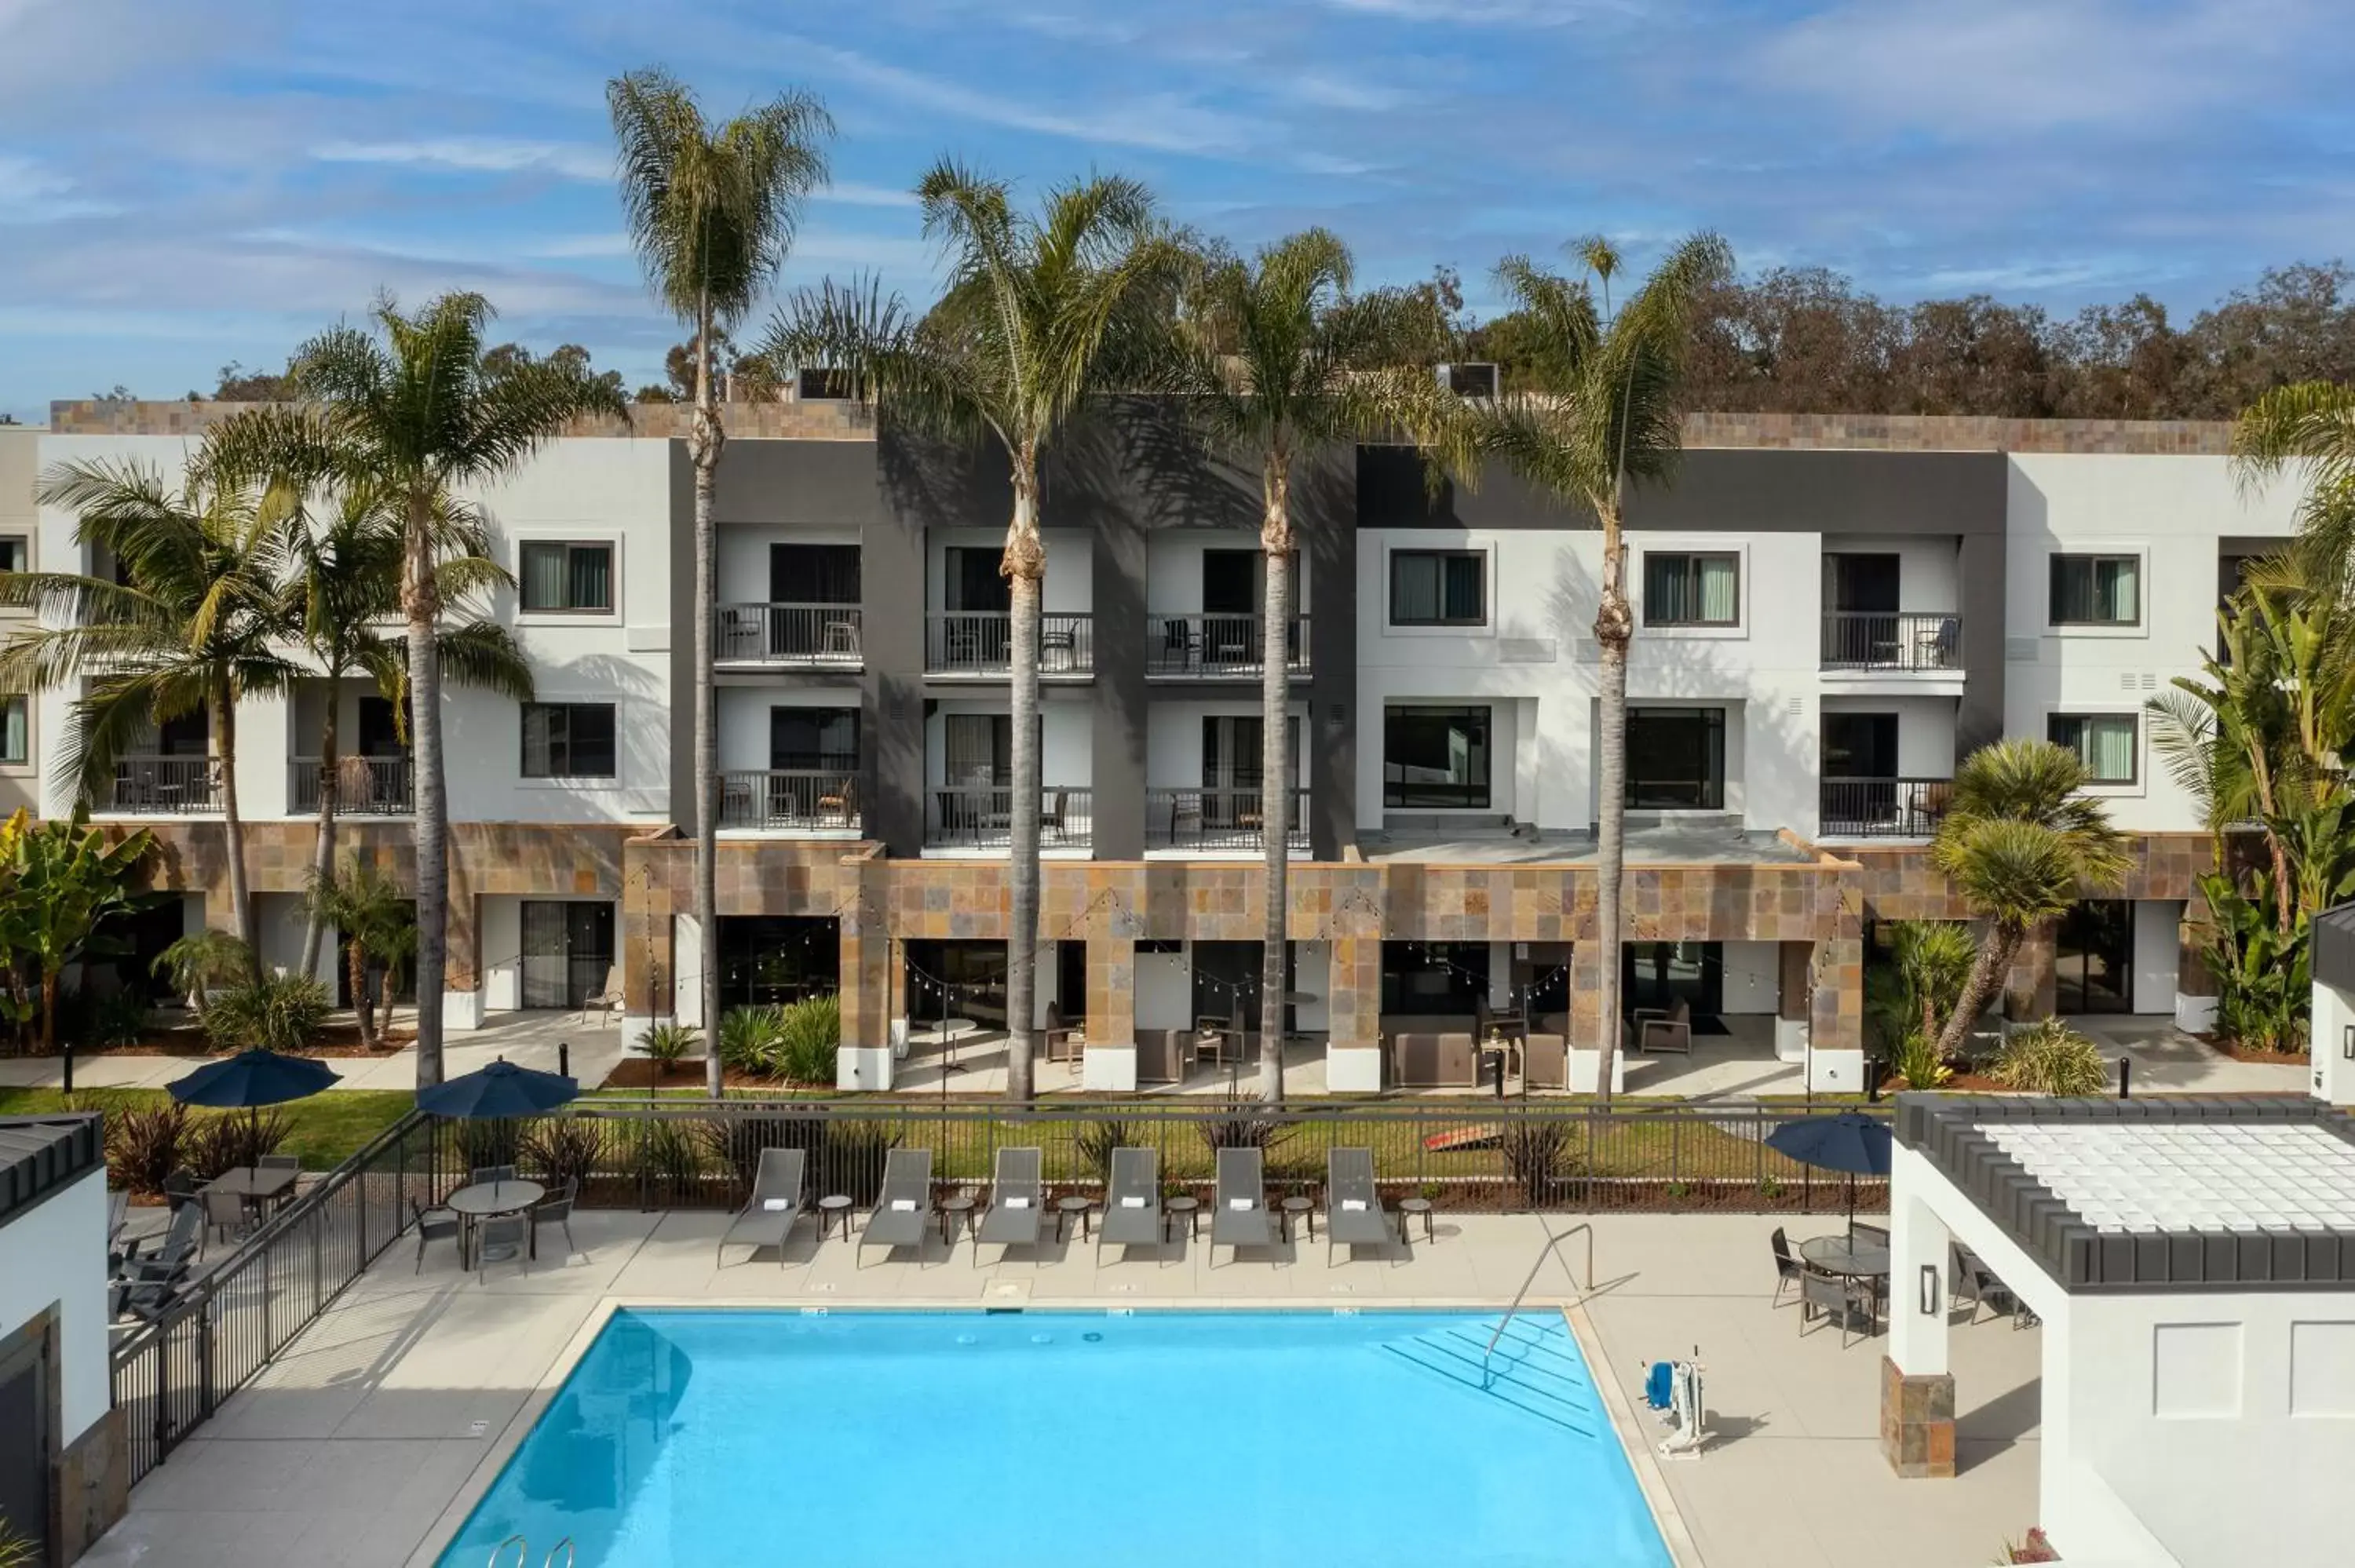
column 16, row 731
column 14, row 553
column 2096, row 590
column 2106, row 743
column 1682, row 589
column 1435, row 759
column 566, row 578
column 1439, row 587
column 1675, row 760
column 813, row 574
column 568, row 740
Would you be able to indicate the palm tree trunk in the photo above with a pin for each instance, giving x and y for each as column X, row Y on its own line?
column 1615, row 624
column 233, row 827
column 356, row 973
column 421, row 605
column 1026, row 568
column 704, row 448
column 1994, row 962
column 49, row 1010
column 1276, row 766
column 323, row 850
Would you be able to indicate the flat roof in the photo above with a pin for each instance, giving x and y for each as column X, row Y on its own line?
column 2180, row 1194
column 40, row 1154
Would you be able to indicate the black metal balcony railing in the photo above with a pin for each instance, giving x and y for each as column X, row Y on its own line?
column 1882, row 808
column 1870, row 639
column 826, row 635
column 1214, row 647
column 981, row 643
column 1218, row 820
column 365, row 786
column 166, row 784
column 981, row 816
column 787, row 800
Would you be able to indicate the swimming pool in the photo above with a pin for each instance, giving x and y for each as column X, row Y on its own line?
column 1151, row 1440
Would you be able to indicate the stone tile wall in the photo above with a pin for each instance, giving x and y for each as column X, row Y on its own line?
column 818, row 422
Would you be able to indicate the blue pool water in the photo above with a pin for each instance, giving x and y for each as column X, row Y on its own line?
column 875, row 1440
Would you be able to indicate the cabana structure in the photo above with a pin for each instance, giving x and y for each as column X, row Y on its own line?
column 2193, row 1265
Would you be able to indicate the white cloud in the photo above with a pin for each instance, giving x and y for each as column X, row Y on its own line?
column 580, row 245
column 851, row 193
column 1322, row 90
column 1486, row 13
column 32, row 192
column 477, row 154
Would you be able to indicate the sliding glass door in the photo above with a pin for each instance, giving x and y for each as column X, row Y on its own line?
column 567, row 948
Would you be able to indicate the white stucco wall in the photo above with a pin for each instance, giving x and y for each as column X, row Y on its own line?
column 2171, row 511
column 741, row 555
column 1173, row 568
column 1066, row 737
column 54, row 1254
column 1929, row 573
column 1173, row 739
column 1926, row 730
column 1070, row 584
column 2157, row 953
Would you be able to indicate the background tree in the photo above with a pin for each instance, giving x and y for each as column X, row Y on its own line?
column 192, row 628
column 379, row 928
column 1277, row 359
column 711, row 210
column 2020, row 844
column 1606, row 412
column 60, row 884
column 408, row 412
column 1039, row 313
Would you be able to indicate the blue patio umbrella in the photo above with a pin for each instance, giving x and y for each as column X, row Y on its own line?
column 499, row 1091
column 252, row 1079
column 1856, row 1144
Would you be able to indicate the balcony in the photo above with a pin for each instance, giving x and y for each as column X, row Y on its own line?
column 167, row 785
column 981, row 817
column 1882, row 808
column 1909, row 640
column 791, row 799
column 1218, row 820
column 1217, row 647
column 788, row 636
column 980, row 643
column 365, row 786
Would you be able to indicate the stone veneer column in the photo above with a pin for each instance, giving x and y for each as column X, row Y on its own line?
column 1836, row 1016
column 1585, row 1065
column 462, row 972
column 647, row 956
column 1108, row 1056
column 1353, row 1049
column 868, row 1056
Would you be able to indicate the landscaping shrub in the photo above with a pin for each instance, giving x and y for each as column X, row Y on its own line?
column 143, row 1144
column 737, row 1142
column 670, row 1155
column 1097, row 1141
column 225, row 1140
column 852, row 1159
column 2050, row 1058
column 809, row 1037
column 1916, row 1061
column 498, row 1141
column 666, row 1044
column 1242, row 1131
column 278, row 1013
column 117, row 1017
column 561, row 1149
column 748, row 1038
column 1537, row 1156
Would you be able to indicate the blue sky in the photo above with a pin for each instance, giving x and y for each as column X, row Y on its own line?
column 185, row 183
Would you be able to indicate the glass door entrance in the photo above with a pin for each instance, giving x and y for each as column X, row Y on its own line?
column 1661, row 974
column 2093, row 960
column 567, row 950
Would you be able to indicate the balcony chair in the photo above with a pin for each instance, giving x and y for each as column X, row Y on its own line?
column 1056, row 816
column 1064, row 1040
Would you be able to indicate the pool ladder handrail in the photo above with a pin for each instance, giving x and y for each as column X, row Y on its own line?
column 523, row 1552
column 1553, row 1249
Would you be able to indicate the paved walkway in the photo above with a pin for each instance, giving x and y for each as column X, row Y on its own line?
column 369, row 1441
column 2168, row 1061
column 529, row 1039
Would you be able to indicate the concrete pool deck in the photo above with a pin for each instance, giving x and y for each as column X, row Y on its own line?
column 366, row 1442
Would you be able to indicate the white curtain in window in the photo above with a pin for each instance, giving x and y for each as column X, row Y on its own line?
column 2118, row 590
column 543, row 577
column 1414, row 588
column 536, row 751
column 2110, row 748
column 1720, row 587
column 16, row 745
column 590, row 577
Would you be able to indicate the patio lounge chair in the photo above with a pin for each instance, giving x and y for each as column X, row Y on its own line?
column 1241, row 1219
column 1669, row 1029
column 1133, row 1215
column 1353, row 1214
column 150, row 1290
column 1015, row 1202
column 1787, row 1269
column 767, row 1217
column 903, row 1209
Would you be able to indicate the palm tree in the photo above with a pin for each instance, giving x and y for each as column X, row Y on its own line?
column 1276, row 359
column 2310, row 426
column 1606, row 413
column 190, row 629
column 377, row 925
column 411, row 412
column 1035, row 316
column 2020, row 843
column 711, row 210
column 348, row 580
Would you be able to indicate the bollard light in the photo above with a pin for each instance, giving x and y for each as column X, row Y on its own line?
column 1929, row 1290
column 2347, row 1043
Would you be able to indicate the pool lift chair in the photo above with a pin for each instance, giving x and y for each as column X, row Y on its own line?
column 1673, row 1391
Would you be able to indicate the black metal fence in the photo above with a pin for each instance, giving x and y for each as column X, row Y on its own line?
column 682, row 1151
column 173, row 1372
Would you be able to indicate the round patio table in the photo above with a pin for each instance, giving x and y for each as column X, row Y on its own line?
column 1838, row 1254
column 489, row 1200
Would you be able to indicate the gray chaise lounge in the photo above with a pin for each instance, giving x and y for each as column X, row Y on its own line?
column 903, row 1209
column 1241, row 1219
column 767, row 1217
column 1133, row 1215
column 1014, row 1201
column 1353, row 1212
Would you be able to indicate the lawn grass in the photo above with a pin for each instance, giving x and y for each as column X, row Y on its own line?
column 326, row 1130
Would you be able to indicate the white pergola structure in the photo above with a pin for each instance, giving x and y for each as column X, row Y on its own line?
column 2193, row 1264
